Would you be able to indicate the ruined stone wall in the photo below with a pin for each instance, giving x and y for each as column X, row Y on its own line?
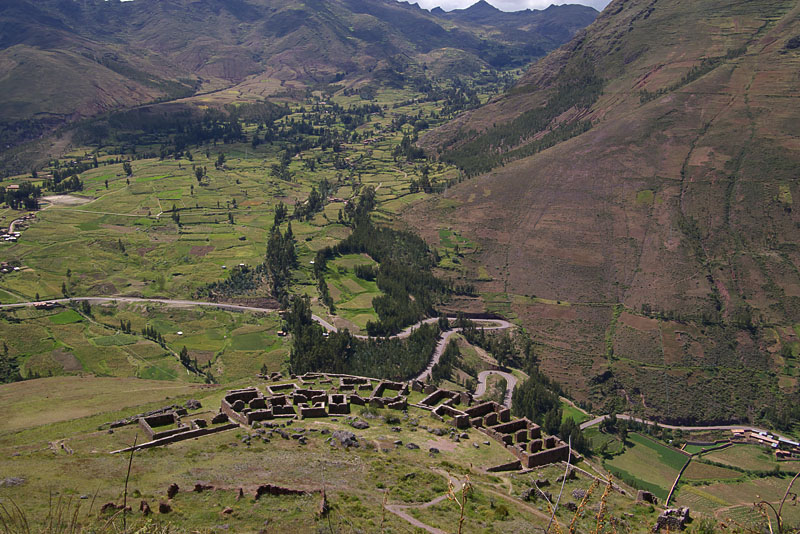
column 482, row 410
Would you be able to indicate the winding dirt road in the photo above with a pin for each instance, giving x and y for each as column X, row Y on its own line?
column 511, row 383
column 499, row 324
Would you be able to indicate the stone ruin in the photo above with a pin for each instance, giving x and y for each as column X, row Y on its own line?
column 672, row 519
column 171, row 419
column 249, row 405
column 523, row 438
column 646, row 496
column 167, row 426
column 300, row 399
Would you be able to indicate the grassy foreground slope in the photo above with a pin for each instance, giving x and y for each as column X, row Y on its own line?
column 655, row 254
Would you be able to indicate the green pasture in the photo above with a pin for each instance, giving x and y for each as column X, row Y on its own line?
column 576, row 414
column 230, row 345
column 647, row 465
column 749, row 457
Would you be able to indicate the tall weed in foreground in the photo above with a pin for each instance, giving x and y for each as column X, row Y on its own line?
column 65, row 516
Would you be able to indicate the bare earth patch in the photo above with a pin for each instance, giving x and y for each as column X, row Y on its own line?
column 201, row 250
column 67, row 360
column 67, row 200
column 639, row 323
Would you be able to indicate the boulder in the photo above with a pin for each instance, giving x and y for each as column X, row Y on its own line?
column 345, row 438
column 193, row 404
column 172, row 490
column 359, row 424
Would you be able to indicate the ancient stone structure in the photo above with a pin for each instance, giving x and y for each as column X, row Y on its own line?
column 300, row 398
column 672, row 519
column 269, row 489
column 646, row 496
column 521, row 437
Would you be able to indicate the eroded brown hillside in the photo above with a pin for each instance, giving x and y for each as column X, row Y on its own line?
column 677, row 205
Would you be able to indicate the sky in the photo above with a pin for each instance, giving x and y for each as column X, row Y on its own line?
column 508, row 5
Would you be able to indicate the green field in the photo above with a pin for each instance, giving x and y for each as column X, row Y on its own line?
column 749, row 457
column 648, row 465
column 229, row 346
column 694, row 449
column 100, row 239
column 66, row 317
column 569, row 411
column 701, row 471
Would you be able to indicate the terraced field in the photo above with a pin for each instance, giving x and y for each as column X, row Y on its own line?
column 648, row 465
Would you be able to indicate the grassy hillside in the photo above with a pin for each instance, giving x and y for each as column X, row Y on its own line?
column 646, row 167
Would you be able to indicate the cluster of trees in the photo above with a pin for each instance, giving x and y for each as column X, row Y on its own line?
column 408, row 149
column 424, row 183
column 404, row 274
column 507, row 351
column 580, row 88
column 177, row 130
column 365, row 272
column 151, row 333
column 73, row 183
column 26, row 197
column 67, row 169
column 280, row 259
column 9, row 367
column 242, row 280
column 125, row 326
column 443, row 370
column 304, row 211
column 189, row 363
column 341, row 352
column 537, row 398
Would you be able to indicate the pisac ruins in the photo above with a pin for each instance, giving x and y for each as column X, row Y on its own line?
column 315, row 395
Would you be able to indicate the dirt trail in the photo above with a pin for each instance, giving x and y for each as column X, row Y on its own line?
column 400, row 509
column 511, row 383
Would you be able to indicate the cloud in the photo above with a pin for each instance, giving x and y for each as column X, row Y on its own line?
column 508, row 5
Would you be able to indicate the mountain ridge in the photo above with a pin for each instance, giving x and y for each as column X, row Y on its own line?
column 147, row 45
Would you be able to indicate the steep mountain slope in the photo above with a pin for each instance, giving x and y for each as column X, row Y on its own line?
column 676, row 204
column 69, row 58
